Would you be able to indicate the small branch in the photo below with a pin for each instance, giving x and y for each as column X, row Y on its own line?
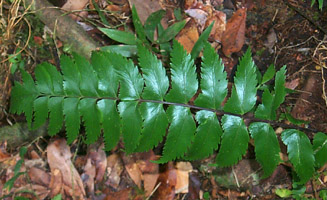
column 306, row 17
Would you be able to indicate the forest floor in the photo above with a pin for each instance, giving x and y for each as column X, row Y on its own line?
column 290, row 32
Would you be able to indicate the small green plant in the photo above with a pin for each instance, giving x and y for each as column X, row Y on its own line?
column 320, row 3
column 16, row 61
column 144, row 34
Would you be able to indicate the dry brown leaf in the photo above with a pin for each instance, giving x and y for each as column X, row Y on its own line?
column 199, row 15
column 73, row 5
column 59, row 155
column 218, row 27
column 145, row 8
column 149, row 182
column 182, row 181
column 114, row 169
column 89, row 175
column 39, row 176
column 133, row 169
column 188, row 36
column 234, row 36
column 167, row 181
column 55, row 183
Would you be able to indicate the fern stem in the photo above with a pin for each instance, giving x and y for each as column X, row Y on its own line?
column 248, row 117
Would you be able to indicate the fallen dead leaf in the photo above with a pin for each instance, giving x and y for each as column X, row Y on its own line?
column 145, row 8
column 188, row 36
column 133, row 169
column 55, row 183
column 199, row 15
column 39, row 176
column 182, row 171
column 114, row 169
column 167, row 180
column 218, row 27
column 234, row 36
column 292, row 84
column 73, row 5
column 59, row 155
column 89, row 175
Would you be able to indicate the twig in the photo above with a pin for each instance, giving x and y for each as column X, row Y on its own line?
column 306, row 17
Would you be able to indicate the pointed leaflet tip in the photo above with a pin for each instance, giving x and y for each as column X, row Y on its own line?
column 154, row 74
column 244, row 92
column 213, row 80
column 184, row 81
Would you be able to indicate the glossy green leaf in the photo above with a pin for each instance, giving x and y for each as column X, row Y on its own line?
column 110, row 121
column 107, row 77
column 72, row 118
column 266, row 146
column 300, row 153
column 264, row 110
column 89, row 84
column 71, row 76
column 43, row 79
column 138, row 25
column 269, row 74
column 131, row 124
column 23, row 96
column 207, row 136
column 154, row 126
column 151, row 23
column 171, row 32
column 234, row 141
column 156, row 80
column 91, row 118
column 40, row 111
column 244, row 92
column 56, row 116
column 184, row 81
column 131, row 82
column 279, row 88
column 124, row 50
column 120, row 36
column 271, row 102
column 295, row 121
column 213, row 80
column 56, row 79
column 199, row 44
column 320, row 148
column 180, row 133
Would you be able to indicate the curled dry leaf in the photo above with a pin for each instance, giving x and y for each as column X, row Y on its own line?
column 59, row 155
column 234, row 36
column 133, row 169
column 188, row 36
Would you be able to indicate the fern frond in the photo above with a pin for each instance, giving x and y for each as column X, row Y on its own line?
column 111, row 95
